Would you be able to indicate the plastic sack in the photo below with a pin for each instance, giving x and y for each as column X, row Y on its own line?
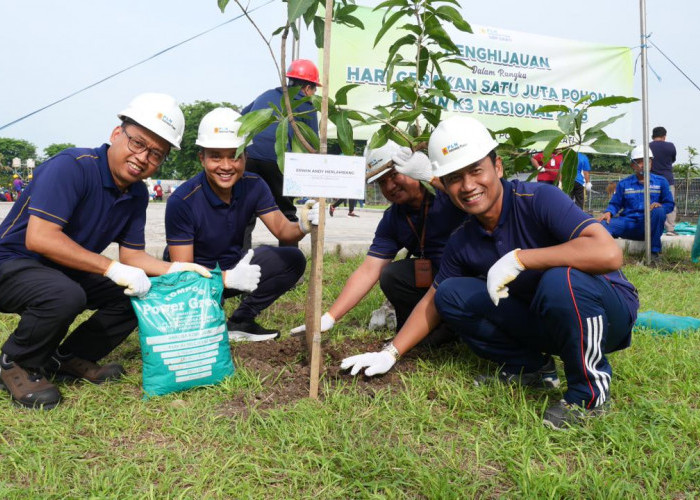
column 666, row 323
column 183, row 334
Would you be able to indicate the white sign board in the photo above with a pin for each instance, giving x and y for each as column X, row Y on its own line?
column 327, row 176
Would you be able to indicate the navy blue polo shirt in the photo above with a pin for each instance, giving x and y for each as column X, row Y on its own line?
column 263, row 145
column 394, row 233
column 196, row 216
column 75, row 190
column 534, row 215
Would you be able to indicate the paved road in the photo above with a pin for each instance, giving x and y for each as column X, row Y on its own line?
column 347, row 235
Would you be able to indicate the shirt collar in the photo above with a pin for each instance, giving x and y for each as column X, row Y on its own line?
column 103, row 166
column 211, row 196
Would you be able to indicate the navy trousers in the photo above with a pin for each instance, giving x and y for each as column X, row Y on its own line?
column 633, row 228
column 280, row 269
column 576, row 316
column 48, row 300
column 398, row 282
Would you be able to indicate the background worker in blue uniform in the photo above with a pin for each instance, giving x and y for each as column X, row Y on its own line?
column 624, row 215
column 261, row 155
column 418, row 221
column 205, row 220
column 51, row 270
column 582, row 183
column 528, row 275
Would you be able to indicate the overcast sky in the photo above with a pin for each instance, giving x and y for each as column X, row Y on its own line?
column 51, row 49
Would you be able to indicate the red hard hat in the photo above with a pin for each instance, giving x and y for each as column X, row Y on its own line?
column 303, row 69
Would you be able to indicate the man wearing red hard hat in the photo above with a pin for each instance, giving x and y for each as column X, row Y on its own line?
column 261, row 155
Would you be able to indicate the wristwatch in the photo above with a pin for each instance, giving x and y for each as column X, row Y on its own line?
column 391, row 349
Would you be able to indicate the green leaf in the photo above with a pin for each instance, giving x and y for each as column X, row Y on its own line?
column 608, row 145
column 452, row 15
column 404, row 40
column 603, row 124
column 309, row 16
column 386, row 25
column 256, row 120
column 354, row 115
column 566, row 122
column 297, row 8
column 281, row 139
column 405, row 90
column 583, row 99
column 541, row 136
column 341, row 96
column 222, row 5
column 388, row 4
column 569, row 169
column 308, row 134
column 413, row 28
column 553, row 108
column 380, row 137
column 351, row 21
column 423, row 63
column 612, row 101
column 344, row 130
column 515, row 135
column 551, row 146
column 319, row 26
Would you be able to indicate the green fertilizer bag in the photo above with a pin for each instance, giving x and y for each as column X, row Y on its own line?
column 182, row 329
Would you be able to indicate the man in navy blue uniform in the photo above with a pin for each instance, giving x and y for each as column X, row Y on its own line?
column 205, row 221
column 664, row 157
column 51, row 270
column 527, row 276
column 624, row 215
column 418, row 221
column 261, row 158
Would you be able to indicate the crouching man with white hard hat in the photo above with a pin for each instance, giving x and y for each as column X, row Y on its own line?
column 629, row 199
column 51, row 270
column 417, row 220
column 205, row 222
column 527, row 276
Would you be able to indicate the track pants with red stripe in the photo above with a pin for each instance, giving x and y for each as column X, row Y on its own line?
column 574, row 315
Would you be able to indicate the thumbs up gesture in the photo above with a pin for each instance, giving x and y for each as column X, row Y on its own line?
column 244, row 276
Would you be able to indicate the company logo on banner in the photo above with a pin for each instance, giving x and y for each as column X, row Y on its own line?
column 511, row 74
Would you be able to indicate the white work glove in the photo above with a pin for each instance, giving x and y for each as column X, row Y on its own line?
column 244, row 276
column 327, row 323
column 133, row 278
column 588, row 186
column 415, row 165
column 308, row 216
column 176, row 267
column 505, row 270
column 377, row 363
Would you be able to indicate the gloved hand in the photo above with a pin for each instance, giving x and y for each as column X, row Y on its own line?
column 588, row 186
column 377, row 363
column 327, row 322
column 308, row 216
column 176, row 267
column 415, row 165
column 504, row 270
column 244, row 276
column 133, row 278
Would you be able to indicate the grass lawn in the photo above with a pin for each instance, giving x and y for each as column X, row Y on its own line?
column 423, row 430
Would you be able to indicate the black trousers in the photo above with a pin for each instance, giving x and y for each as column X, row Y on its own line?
column 577, row 194
column 351, row 203
column 280, row 269
column 398, row 282
column 48, row 300
column 271, row 174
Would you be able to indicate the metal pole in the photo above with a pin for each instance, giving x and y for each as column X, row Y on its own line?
column 645, row 128
column 296, row 43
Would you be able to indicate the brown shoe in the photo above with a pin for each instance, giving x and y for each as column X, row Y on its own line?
column 28, row 388
column 76, row 368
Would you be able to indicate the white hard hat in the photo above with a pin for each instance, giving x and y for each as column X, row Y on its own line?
column 219, row 129
column 457, row 142
column 378, row 157
column 158, row 113
column 638, row 152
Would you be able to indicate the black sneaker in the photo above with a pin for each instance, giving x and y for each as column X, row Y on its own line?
column 563, row 415
column 27, row 387
column 545, row 378
column 249, row 331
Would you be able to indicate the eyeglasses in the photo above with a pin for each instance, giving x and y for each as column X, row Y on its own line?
column 154, row 157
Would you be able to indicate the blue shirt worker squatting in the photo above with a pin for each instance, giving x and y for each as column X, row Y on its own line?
column 51, row 270
column 418, row 221
column 624, row 215
column 205, row 221
column 528, row 275
column 261, row 158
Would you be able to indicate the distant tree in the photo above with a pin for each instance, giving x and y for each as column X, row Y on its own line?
column 619, row 164
column 16, row 148
column 53, row 149
column 184, row 163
